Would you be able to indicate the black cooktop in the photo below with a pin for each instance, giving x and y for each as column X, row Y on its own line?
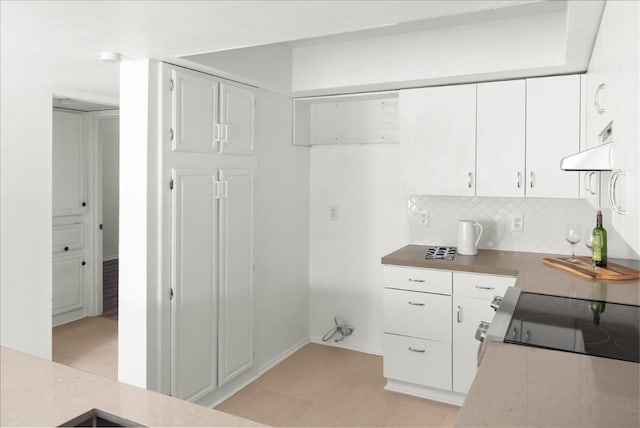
column 590, row 327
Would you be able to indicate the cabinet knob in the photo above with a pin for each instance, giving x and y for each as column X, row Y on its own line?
column 66, row 248
column 84, row 263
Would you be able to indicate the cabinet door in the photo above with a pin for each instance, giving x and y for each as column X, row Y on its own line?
column 468, row 312
column 68, row 163
column 237, row 106
column 419, row 361
column 501, row 139
column 625, row 179
column 194, row 276
column 68, row 283
column 415, row 314
column 194, row 112
column 553, row 132
column 438, row 134
column 235, row 342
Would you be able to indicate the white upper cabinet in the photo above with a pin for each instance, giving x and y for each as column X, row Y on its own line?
column 553, row 132
column 209, row 115
column 346, row 119
column 194, row 112
column 501, row 139
column 68, row 163
column 438, row 136
column 237, row 111
column 615, row 63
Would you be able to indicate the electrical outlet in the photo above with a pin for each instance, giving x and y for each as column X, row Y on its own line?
column 423, row 216
column 517, row 223
column 333, row 212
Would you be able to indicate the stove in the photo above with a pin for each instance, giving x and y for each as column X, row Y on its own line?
column 590, row 327
column 445, row 253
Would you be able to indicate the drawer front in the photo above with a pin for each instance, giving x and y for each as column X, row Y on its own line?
column 418, row 361
column 68, row 236
column 415, row 314
column 481, row 286
column 416, row 279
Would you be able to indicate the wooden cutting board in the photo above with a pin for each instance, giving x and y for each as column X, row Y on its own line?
column 613, row 271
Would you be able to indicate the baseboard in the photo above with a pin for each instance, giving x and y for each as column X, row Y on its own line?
column 278, row 359
column 346, row 345
column 435, row 394
column 261, row 370
column 67, row 317
column 109, row 258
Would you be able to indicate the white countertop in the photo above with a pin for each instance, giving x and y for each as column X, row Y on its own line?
column 37, row 392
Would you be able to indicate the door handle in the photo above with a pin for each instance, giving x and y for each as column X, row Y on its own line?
column 416, row 280
column 532, row 179
column 596, row 101
column 459, row 314
column 470, row 180
column 483, row 287
column 518, row 179
column 417, row 350
column 415, row 303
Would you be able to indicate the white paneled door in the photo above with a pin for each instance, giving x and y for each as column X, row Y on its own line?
column 237, row 114
column 236, row 274
column 195, row 237
column 194, row 126
column 69, row 281
column 68, row 163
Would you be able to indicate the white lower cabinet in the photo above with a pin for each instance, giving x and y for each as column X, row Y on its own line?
column 430, row 321
column 418, row 361
column 68, row 283
column 212, row 281
column 468, row 312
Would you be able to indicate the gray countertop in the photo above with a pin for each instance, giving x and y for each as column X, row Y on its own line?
column 533, row 275
column 37, row 392
column 525, row 386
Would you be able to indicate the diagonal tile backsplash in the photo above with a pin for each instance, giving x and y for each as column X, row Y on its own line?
column 544, row 223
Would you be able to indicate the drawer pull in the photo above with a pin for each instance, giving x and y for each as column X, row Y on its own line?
column 482, row 287
column 416, row 280
column 416, row 303
column 459, row 315
column 417, row 350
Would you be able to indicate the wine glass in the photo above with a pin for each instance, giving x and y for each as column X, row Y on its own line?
column 572, row 235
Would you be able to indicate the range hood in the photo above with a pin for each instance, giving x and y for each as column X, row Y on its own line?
column 598, row 158
column 595, row 159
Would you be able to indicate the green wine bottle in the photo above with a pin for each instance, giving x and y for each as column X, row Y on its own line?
column 601, row 254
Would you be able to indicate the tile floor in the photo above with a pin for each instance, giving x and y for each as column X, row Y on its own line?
column 317, row 386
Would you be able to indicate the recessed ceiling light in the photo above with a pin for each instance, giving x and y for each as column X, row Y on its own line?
column 112, row 57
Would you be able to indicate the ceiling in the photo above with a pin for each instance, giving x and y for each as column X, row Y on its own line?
column 79, row 105
column 65, row 38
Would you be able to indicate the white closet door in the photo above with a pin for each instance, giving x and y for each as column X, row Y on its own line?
column 235, row 342
column 553, row 132
column 194, row 255
column 194, row 112
column 68, row 163
column 501, row 139
column 237, row 118
column 68, row 283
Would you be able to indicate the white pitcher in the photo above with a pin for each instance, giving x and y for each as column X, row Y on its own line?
column 469, row 233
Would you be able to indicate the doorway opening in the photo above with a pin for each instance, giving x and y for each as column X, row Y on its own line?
column 85, row 233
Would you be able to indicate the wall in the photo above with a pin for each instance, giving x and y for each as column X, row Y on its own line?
column 25, row 209
column 281, row 231
column 109, row 140
column 497, row 49
column 345, row 274
column 267, row 66
column 544, row 223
